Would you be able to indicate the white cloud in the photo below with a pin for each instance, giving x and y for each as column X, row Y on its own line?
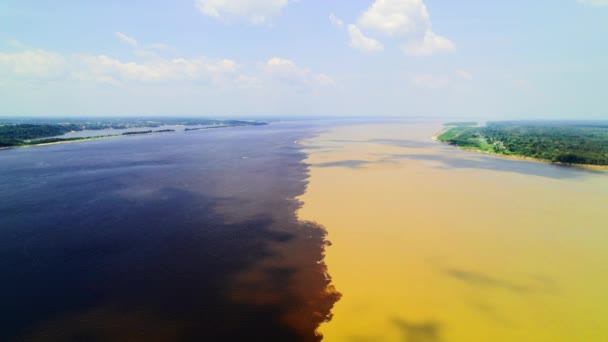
column 287, row 71
column 40, row 65
column 396, row 17
column 34, row 64
column 408, row 20
column 430, row 44
column 104, row 68
column 430, row 81
column 43, row 65
column 359, row 41
column 336, row 21
column 280, row 63
column 594, row 3
column 142, row 50
column 256, row 11
column 464, row 74
column 129, row 40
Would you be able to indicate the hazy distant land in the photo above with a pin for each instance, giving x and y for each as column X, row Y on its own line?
column 29, row 132
column 565, row 142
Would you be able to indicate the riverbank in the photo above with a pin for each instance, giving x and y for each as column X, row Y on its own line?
column 21, row 132
column 566, row 143
column 73, row 140
column 66, row 141
column 519, row 157
column 43, row 142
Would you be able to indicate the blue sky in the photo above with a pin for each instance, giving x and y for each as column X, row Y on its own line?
column 496, row 59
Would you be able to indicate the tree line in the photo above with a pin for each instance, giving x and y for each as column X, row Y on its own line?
column 564, row 142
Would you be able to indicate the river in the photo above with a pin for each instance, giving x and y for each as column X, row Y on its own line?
column 432, row 243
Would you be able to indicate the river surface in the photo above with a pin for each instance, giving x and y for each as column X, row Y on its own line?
column 431, row 243
column 166, row 237
column 193, row 236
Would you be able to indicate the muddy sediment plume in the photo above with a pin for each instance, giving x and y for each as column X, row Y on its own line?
column 432, row 243
column 162, row 238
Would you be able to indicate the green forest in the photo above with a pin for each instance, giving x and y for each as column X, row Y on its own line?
column 570, row 142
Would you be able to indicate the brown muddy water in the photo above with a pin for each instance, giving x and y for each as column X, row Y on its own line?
column 431, row 243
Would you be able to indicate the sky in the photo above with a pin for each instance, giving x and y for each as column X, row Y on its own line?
column 432, row 58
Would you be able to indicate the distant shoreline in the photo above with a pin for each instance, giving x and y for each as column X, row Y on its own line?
column 67, row 141
column 74, row 140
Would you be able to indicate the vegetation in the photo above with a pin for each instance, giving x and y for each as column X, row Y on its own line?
column 78, row 124
column 58, row 140
column 30, row 131
column 8, row 142
column 36, row 131
column 570, row 142
column 137, row 132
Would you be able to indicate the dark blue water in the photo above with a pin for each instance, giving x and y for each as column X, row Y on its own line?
column 170, row 237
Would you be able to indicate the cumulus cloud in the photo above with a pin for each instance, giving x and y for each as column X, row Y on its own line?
column 430, row 44
column 395, row 17
column 594, row 3
column 43, row 65
column 129, row 40
column 336, row 21
column 287, row 71
column 40, row 65
column 406, row 20
column 359, row 41
column 256, row 11
column 104, row 68
column 33, row 63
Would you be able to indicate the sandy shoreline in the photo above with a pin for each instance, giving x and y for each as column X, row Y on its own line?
column 61, row 142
